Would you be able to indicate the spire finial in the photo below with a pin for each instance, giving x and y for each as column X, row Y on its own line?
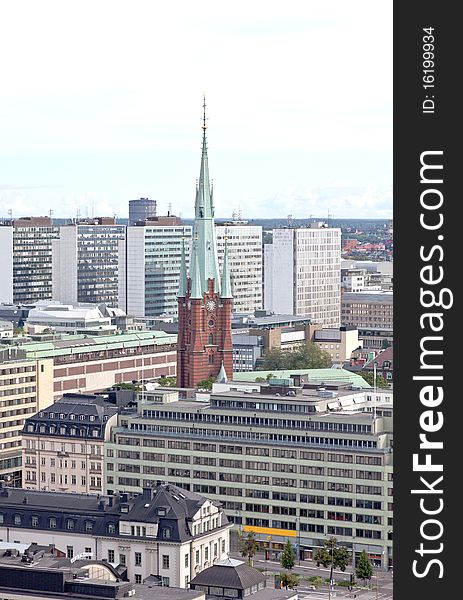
column 204, row 113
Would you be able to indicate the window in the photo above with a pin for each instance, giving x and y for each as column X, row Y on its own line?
column 70, row 524
column 186, row 560
column 206, row 553
column 34, row 521
column 87, row 550
column 2, row 518
column 122, row 560
column 52, row 523
column 70, row 552
column 88, row 525
column 167, row 533
column 196, row 556
column 138, row 559
column 137, row 578
column 165, row 561
column 17, row 519
column 166, row 581
column 111, row 528
column 111, row 556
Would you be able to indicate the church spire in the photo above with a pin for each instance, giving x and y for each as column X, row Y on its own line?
column 204, row 229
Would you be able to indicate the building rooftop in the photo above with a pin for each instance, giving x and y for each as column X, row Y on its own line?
column 313, row 376
column 384, row 297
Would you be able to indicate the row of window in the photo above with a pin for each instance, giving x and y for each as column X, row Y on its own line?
column 52, row 522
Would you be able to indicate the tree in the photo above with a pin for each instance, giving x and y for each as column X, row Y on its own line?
column 289, row 580
column 167, row 381
column 248, row 546
column 288, row 557
column 370, row 378
column 206, row 383
column 364, row 569
column 303, row 356
column 332, row 555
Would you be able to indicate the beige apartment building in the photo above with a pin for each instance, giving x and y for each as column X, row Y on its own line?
column 63, row 445
column 85, row 364
column 298, row 462
column 26, row 386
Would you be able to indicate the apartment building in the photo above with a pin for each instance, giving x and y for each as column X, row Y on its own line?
column 26, row 251
column 149, row 268
column 244, row 244
column 86, row 364
column 299, row 462
column 63, row 445
column 302, row 273
column 373, row 315
column 85, row 261
column 26, row 386
column 165, row 533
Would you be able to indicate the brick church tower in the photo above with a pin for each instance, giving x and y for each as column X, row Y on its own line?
column 205, row 301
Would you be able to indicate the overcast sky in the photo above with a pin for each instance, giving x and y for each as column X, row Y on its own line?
column 101, row 102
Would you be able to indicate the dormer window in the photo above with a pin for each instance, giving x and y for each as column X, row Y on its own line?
column 52, row 415
column 72, row 416
column 70, row 524
column 42, row 428
column 111, row 528
column 82, row 417
column 92, row 417
column 161, row 512
column 166, row 533
column 52, row 523
column 61, row 416
column 88, row 525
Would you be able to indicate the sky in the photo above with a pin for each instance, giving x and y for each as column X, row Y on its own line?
column 101, row 102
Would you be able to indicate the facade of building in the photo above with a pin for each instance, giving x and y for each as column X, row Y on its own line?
column 26, row 386
column 302, row 462
column 164, row 532
column 373, row 315
column 141, row 209
column 205, row 299
column 302, row 273
column 244, row 243
column 63, row 445
column 6, row 329
column 85, row 262
column 26, row 251
column 84, row 364
column 149, row 268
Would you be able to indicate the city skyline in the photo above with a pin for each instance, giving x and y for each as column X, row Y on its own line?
column 299, row 109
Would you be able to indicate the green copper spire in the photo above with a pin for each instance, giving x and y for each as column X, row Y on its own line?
column 195, row 274
column 182, row 284
column 226, row 282
column 204, row 229
column 222, row 376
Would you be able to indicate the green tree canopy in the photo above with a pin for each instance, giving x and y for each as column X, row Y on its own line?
column 288, row 557
column 369, row 378
column 364, row 569
column 303, row 356
column 290, row 580
column 332, row 555
column 248, row 546
column 206, row 383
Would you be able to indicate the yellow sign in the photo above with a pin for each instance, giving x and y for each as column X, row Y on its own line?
column 271, row 531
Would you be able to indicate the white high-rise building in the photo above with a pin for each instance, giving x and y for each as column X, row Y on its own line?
column 149, row 268
column 85, row 262
column 244, row 261
column 302, row 273
column 26, row 259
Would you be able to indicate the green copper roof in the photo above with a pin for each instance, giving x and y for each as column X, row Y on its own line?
column 314, row 375
column 196, row 290
column 204, row 230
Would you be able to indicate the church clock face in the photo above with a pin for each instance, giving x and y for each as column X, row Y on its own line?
column 210, row 305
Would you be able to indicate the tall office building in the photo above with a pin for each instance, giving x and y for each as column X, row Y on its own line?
column 302, row 273
column 141, row 209
column 26, row 257
column 244, row 244
column 85, row 261
column 149, row 268
column 205, row 299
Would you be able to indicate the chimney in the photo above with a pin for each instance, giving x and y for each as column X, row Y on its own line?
column 147, row 494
